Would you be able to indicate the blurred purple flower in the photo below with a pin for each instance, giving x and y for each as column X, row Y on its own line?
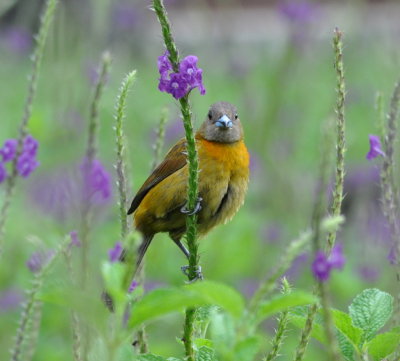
column 115, row 252
column 3, row 173
column 368, row 273
column 74, row 239
column 39, row 259
column 97, row 181
column 133, row 286
column 297, row 266
column 10, row 298
column 297, row 11
column 30, row 146
column 255, row 162
column 248, row 286
column 322, row 265
column 375, row 147
column 18, row 40
column 53, row 193
column 125, row 16
column 26, row 164
column 9, row 150
column 174, row 131
column 272, row 232
column 336, row 258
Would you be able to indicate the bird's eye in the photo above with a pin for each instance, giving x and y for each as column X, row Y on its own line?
column 209, row 115
column 236, row 116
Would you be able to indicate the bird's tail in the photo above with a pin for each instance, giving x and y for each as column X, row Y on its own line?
column 142, row 251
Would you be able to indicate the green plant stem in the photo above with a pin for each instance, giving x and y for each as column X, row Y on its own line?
column 45, row 22
column 283, row 321
column 191, row 219
column 335, row 210
column 91, row 152
column 158, row 146
column 120, row 148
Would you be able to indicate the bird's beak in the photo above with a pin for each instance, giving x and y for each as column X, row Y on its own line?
column 224, row 122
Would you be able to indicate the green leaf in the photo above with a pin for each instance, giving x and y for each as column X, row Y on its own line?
column 370, row 310
column 345, row 325
column 219, row 294
column 199, row 342
column 383, row 345
column 205, row 354
column 283, row 302
column 161, row 302
column 223, row 331
column 150, row 357
column 247, row 349
column 317, row 329
column 345, row 346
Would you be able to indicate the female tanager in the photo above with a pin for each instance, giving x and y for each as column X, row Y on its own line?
column 159, row 205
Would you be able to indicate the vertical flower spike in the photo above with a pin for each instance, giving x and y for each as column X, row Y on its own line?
column 3, row 173
column 375, row 147
column 321, row 268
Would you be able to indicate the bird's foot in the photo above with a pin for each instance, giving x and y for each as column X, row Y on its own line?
column 197, row 208
column 199, row 274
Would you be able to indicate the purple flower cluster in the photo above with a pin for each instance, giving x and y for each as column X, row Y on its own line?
column 322, row 265
column 375, row 148
column 97, row 181
column 115, row 252
column 26, row 162
column 39, row 259
column 181, row 83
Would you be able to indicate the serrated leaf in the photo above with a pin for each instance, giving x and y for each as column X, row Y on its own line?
column 205, row 354
column 346, row 347
column 247, row 349
column 283, row 302
column 317, row 329
column 345, row 325
column 219, row 294
column 161, row 302
column 370, row 310
column 383, row 345
column 223, row 331
column 150, row 357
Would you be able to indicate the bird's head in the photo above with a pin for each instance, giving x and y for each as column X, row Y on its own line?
column 222, row 124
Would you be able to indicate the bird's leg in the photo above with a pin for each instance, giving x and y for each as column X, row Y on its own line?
column 196, row 209
column 199, row 274
column 182, row 247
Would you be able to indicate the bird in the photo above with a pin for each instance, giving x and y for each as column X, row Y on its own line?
column 159, row 204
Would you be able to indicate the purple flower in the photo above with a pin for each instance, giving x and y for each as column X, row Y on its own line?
column 164, row 65
column 30, row 145
column 115, row 252
column 133, row 286
column 375, row 147
column 97, row 181
column 194, row 76
column 299, row 11
column 18, row 40
column 3, row 173
column 39, row 259
column 322, row 265
column 126, row 16
column 9, row 150
column 74, row 239
column 10, row 298
column 26, row 164
column 336, row 259
column 177, row 86
column 368, row 273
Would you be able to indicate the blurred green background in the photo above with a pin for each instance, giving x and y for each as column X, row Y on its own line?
column 274, row 60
